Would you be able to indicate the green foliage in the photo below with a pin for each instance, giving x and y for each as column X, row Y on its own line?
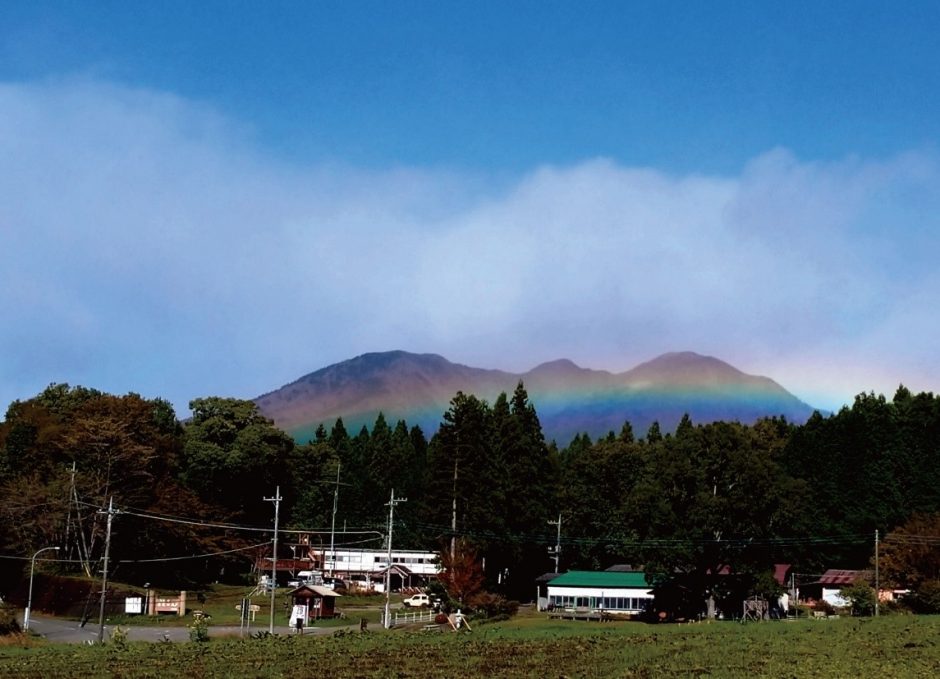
column 872, row 466
column 199, row 630
column 232, row 455
column 119, row 639
column 704, row 499
column 861, row 596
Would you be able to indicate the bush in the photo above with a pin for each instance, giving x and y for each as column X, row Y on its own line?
column 8, row 623
column 926, row 598
column 119, row 638
column 488, row 605
column 199, row 630
column 862, row 597
column 823, row 606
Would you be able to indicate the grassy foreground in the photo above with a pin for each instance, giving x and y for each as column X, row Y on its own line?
column 899, row 646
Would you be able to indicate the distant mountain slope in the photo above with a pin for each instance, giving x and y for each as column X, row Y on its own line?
column 569, row 399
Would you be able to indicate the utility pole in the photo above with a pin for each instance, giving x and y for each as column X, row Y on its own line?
column 876, row 573
column 793, row 600
column 68, row 518
column 557, row 540
column 83, row 556
column 104, row 577
column 388, row 566
column 277, row 507
column 333, row 525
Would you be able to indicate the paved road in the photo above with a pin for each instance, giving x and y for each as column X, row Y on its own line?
column 71, row 632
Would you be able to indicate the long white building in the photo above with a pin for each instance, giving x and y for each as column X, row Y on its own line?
column 370, row 562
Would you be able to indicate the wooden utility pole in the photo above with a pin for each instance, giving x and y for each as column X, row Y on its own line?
column 557, row 540
column 104, row 577
column 333, row 525
column 388, row 566
column 876, row 573
column 277, row 506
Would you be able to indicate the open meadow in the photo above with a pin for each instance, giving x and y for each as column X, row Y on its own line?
column 526, row 646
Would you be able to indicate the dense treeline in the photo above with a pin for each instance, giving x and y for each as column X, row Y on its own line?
column 699, row 500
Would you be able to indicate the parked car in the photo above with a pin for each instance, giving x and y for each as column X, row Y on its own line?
column 306, row 578
column 417, row 601
column 334, row 583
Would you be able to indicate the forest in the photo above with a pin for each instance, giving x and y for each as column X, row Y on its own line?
column 706, row 497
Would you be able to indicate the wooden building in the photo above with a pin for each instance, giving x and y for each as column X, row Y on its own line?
column 320, row 601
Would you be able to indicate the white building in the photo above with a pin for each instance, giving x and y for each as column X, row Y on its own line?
column 600, row 591
column 372, row 562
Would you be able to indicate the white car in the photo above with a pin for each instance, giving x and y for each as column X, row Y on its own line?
column 417, row 601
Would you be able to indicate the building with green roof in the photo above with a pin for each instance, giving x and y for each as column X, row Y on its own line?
column 615, row 592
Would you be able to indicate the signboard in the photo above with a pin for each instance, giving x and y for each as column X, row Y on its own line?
column 298, row 613
column 134, row 605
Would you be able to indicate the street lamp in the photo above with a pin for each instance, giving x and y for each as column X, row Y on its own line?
column 29, row 601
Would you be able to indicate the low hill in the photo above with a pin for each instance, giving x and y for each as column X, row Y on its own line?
column 569, row 399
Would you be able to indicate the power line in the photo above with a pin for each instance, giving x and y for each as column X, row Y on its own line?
column 195, row 556
column 131, row 511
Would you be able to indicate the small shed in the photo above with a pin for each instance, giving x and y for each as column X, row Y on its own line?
column 320, row 601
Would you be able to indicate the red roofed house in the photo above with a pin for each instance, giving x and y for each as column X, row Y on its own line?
column 830, row 584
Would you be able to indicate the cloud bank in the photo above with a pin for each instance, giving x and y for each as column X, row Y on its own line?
column 149, row 244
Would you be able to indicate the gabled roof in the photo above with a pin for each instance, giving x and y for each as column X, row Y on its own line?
column 396, row 568
column 316, row 589
column 600, row 579
column 835, row 576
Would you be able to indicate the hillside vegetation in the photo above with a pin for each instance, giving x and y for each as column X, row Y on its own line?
column 698, row 499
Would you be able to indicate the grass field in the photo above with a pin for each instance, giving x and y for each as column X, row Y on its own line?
column 527, row 646
column 219, row 602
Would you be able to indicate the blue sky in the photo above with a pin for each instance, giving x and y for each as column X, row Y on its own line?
column 216, row 198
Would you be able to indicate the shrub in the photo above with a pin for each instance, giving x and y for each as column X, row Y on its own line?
column 926, row 598
column 8, row 623
column 488, row 605
column 199, row 630
column 862, row 597
column 119, row 638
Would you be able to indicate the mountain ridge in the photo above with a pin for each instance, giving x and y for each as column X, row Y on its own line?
column 568, row 398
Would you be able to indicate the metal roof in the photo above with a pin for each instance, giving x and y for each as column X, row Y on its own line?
column 842, row 577
column 600, row 579
column 316, row 589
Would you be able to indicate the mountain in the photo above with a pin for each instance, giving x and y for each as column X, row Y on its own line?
column 569, row 399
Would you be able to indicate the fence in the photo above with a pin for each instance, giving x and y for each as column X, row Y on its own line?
column 410, row 617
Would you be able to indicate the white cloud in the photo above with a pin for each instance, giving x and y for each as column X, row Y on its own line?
column 148, row 245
